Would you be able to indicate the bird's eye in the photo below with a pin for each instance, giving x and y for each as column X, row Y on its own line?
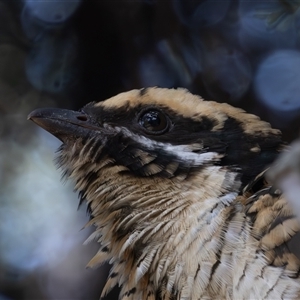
column 154, row 121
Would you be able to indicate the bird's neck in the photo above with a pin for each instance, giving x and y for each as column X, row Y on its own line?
column 163, row 235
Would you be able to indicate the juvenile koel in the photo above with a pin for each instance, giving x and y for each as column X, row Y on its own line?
column 175, row 188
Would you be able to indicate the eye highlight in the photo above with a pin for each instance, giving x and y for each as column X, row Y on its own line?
column 154, row 121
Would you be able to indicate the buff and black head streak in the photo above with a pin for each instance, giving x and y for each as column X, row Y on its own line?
column 163, row 173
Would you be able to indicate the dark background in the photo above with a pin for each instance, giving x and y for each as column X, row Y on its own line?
column 68, row 53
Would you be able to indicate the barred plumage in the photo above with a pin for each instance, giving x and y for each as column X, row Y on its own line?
column 175, row 190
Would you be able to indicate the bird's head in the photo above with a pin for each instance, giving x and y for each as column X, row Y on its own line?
column 161, row 133
column 150, row 155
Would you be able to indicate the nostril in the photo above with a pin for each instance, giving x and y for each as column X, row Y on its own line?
column 82, row 118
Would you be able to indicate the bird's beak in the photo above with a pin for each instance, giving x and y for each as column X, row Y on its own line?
column 62, row 123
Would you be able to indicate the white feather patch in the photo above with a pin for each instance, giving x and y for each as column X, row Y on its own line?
column 183, row 152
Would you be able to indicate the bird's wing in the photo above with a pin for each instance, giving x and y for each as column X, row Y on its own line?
column 274, row 224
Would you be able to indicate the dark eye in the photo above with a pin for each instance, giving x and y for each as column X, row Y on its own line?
column 154, row 121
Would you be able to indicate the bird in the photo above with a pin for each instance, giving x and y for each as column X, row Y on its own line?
column 176, row 191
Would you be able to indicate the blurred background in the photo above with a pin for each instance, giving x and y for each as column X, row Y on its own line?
column 70, row 52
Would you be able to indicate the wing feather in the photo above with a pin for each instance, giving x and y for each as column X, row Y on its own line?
column 274, row 224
